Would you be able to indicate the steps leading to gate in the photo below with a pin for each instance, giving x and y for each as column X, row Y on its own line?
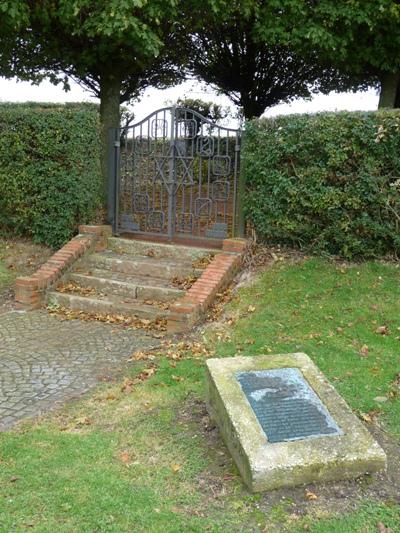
column 143, row 266
column 157, row 250
column 141, row 289
column 105, row 305
column 129, row 278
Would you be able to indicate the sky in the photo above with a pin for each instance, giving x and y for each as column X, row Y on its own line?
column 153, row 99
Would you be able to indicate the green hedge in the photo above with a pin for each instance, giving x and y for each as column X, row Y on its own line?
column 50, row 177
column 328, row 182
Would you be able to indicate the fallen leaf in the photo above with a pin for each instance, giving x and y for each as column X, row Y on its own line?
column 251, row 308
column 127, row 385
column 83, row 421
column 364, row 350
column 311, row 495
column 382, row 528
column 177, row 378
column 125, row 457
column 382, row 330
column 381, row 399
column 110, row 396
column 175, row 468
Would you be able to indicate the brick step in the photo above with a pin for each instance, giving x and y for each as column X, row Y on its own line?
column 109, row 305
column 140, row 266
column 157, row 250
column 140, row 289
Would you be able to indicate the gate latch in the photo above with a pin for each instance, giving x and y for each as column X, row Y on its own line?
column 117, row 144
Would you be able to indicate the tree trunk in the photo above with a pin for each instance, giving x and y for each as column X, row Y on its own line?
column 389, row 88
column 110, row 89
column 251, row 108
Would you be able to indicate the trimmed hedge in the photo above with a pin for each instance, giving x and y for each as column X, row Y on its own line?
column 50, row 179
column 328, row 182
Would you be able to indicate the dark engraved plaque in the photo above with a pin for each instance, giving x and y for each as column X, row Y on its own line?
column 286, row 406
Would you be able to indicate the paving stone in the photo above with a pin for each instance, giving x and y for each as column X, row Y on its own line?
column 47, row 361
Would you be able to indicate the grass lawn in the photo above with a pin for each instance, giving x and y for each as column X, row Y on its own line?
column 140, row 454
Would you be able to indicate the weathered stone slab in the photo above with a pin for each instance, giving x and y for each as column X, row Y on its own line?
column 284, row 424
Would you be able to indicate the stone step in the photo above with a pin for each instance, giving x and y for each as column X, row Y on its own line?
column 149, row 289
column 140, row 266
column 157, row 250
column 105, row 305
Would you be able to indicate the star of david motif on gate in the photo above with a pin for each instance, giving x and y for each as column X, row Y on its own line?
column 162, row 170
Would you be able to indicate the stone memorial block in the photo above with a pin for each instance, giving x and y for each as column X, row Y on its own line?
column 284, row 424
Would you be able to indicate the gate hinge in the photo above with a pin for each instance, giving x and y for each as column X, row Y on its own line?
column 237, row 148
column 117, row 144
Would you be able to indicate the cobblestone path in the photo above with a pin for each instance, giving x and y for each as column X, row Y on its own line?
column 45, row 361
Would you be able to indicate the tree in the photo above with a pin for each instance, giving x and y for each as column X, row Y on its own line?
column 211, row 110
column 253, row 69
column 113, row 48
column 360, row 39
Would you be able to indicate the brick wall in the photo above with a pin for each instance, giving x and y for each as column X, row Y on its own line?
column 30, row 290
column 216, row 277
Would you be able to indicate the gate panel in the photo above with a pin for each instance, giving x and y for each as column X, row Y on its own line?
column 177, row 175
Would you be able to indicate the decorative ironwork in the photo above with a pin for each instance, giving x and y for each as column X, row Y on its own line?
column 155, row 221
column 141, row 202
column 205, row 146
column 176, row 172
column 184, row 222
column 159, row 128
column 221, row 165
column 220, row 190
column 202, row 207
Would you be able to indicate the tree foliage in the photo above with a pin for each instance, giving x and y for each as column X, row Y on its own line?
column 113, row 48
column 360, row 38
column 243, row 57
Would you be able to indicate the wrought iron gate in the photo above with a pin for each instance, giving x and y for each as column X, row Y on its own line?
column 175, row 173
